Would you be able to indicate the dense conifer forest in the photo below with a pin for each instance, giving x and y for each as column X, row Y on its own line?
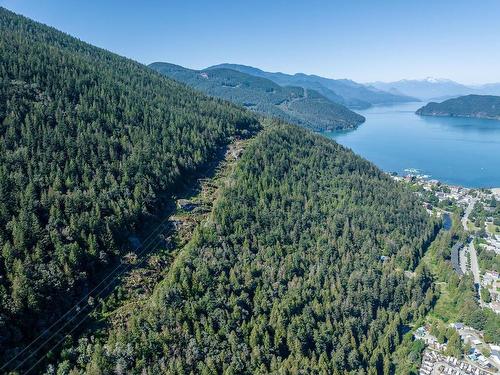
column 90, row 143
column 300, row 269
column 307, row 261
column 295, row 105
column 343, row 91
column 480, row 106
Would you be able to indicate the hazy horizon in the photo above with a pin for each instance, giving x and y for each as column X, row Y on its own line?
column 363, row 41
column 470, row 84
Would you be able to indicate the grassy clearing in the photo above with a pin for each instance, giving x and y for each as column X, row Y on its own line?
column 493, row 229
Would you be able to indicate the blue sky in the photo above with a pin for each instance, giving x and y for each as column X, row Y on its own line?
column 361, row 40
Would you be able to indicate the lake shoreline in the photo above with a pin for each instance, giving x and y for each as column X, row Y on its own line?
column 450, row 115
column 454, row 150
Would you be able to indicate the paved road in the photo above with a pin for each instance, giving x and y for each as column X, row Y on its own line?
column 473, row 262
column 463, row 259
column 474, row 266
column 467, row 212
column 462, row 255
column 475, row 270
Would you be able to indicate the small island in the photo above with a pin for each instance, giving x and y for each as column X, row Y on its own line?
column 479, row 106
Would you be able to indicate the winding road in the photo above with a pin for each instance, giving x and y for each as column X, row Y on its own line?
column 474, row 265
column 467, row 212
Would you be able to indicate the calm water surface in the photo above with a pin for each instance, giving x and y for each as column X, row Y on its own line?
column 458, row 151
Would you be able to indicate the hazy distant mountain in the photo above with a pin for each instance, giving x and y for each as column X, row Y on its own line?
column 480, row 106
column 436, row 89
column 344, row 91
column 489, row 89
column 298, row 105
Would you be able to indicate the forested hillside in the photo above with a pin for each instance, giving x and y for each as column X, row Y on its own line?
column 480, row 106
column 344, row 91
column 297, row 105
column 300, row 262
column 299, row 270
column 90, row 144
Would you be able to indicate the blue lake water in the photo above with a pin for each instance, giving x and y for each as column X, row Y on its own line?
column 459, row 151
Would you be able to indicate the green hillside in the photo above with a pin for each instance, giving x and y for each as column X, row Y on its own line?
column 344, row 91
column 480, row 106
column 297, row 262
column 296, row 105
column 91, row 144
column 287, row 273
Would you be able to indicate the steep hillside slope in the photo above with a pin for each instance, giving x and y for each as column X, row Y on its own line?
column 90, row 144
column 480, row 106
column 288, row 274
column 296, row 105
column 353, row 94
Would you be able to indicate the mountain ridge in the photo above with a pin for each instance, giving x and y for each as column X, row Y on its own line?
column 436, row 88
column 478, row 106
column 91, row 145
column 353, row 94
column 299, row 264
column 273, row 280
column 298, row 105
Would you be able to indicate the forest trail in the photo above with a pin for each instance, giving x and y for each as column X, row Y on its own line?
column 170, row 233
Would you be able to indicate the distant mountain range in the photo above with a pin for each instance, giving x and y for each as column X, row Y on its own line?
column 343, row 91
column 435, row 89
column 302, row 106
column 480, row 106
